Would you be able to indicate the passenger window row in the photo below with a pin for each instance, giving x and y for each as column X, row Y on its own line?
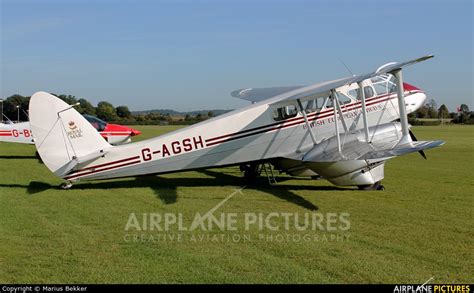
column 309, row 106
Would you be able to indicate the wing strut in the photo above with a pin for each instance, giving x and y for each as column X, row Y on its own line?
column 334, row 99
column 364, row 110
column 313, row 138
column 344, row 125
column 401, row 106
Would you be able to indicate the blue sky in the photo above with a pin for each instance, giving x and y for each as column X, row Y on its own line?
column 188, row 55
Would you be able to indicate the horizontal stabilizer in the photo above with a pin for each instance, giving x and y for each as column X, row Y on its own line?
column 66, row 168
column 411, row 147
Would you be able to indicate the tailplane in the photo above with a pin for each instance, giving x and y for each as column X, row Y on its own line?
column 63, row 137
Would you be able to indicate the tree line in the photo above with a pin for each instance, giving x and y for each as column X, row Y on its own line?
column 430, row 110
column 15, row 108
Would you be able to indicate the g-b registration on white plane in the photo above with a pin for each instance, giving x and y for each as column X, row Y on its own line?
column 113, row 133
column 343, row 130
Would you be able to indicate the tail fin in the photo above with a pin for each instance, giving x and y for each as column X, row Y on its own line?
column 62, row 136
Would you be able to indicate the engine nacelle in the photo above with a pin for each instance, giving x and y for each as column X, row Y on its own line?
column 326, row 160
column 354, row 172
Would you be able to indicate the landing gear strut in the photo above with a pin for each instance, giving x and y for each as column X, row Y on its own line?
column 66, row 185
column 251, row 172
column 376, row 186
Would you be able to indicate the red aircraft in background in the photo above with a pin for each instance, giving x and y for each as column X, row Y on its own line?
column 113, row 133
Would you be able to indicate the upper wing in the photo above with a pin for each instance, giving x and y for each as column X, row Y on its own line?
column 293, row 93
column 325, row 87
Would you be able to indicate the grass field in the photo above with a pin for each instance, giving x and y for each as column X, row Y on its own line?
column 420, row 227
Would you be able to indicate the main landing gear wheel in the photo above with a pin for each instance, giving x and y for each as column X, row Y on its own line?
column 251, row 173
column 376, row 186
column 66, row 185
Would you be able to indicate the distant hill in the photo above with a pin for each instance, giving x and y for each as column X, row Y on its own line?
column 177, row 113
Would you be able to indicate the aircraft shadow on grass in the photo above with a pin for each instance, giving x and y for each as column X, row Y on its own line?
column 17, row 157
column 166, row 188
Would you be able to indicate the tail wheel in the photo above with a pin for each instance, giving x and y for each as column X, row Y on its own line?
column 376, row 186
column 66, row 185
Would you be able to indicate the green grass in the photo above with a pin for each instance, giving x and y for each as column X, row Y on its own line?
column 421, row 226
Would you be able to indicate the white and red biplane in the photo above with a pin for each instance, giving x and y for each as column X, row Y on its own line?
column 343, row 130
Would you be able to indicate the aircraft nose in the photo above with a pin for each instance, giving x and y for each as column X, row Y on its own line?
column 134, row 132
column 414, row 101
column 414, row 97
column 122, row 129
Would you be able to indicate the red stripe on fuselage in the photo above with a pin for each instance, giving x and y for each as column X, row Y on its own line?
column 299, row 120
column 105, row 164
column 293, row 119
column 101, row 170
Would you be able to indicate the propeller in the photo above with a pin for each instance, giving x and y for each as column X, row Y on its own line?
column 413, row 137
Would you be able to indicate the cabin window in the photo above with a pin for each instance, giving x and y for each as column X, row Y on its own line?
column 342, row 98
column 354, row 93
column 368, row 91
column 380, row 88
column 392, row 85
column 313, row 105
column 309, row 106
column 384, row 84
column 285, row 112
column 320, row 102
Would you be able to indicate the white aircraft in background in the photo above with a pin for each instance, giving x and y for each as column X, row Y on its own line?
column 16, row 132
column 113, row 133
column 343, row 130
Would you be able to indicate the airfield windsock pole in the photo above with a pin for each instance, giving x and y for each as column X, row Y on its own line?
column 1, row 101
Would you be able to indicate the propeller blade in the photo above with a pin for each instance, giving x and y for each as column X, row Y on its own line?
column 413, row 137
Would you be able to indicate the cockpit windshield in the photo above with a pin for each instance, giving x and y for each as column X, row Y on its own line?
column 96, row 122
column 384, row 84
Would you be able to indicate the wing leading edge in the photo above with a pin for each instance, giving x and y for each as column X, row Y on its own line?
column 300, row 92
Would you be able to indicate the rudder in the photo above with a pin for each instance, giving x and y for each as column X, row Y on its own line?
column 62, row 136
